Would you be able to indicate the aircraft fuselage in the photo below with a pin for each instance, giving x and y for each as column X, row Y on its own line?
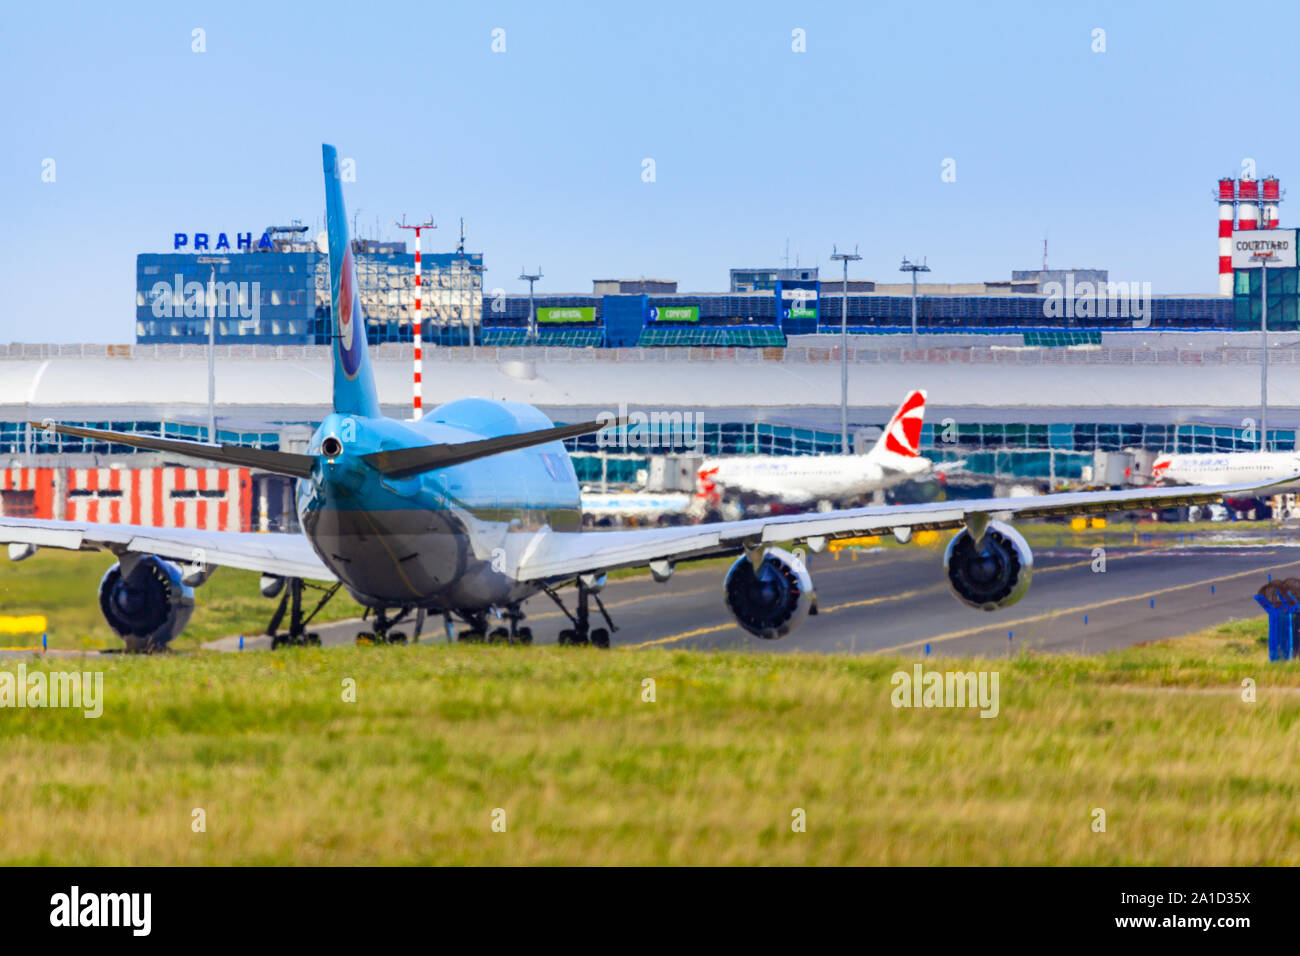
column 440, row 539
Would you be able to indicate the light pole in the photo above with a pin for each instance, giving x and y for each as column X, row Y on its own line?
column 913, row 268
column 532, row 322
column 212, row 261
column 1263, row 259
column 846, row 258
column 475, row 270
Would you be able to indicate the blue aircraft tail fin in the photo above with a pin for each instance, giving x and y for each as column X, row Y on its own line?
column 354, row 383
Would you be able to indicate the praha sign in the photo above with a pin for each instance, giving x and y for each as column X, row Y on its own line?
column 204, row 242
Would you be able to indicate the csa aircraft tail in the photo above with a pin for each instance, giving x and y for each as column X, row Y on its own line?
column 468, row 512
column 902, row 436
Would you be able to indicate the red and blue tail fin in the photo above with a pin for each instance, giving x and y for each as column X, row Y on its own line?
column 354, row 383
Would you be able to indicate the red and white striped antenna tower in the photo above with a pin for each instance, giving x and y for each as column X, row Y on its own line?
column 416, row 331
column 1226, row 197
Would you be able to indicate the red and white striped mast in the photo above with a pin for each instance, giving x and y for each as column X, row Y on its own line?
column 416, row 336
column 1227, row 197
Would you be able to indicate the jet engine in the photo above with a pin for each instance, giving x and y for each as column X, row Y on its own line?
column 772, row 600
column 147, row 607
column 993, row 574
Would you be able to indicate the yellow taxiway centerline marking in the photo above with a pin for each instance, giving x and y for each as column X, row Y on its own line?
column 660, row 595
column 1075, row 610
column 847, row 604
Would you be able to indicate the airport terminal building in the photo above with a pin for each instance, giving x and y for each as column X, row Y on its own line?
column 1012, row 411
column 1028, row 378
column 273, row 290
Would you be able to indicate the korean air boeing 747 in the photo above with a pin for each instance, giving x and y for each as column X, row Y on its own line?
column 475, row 507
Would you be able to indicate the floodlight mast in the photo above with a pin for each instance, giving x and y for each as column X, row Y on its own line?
column 212, row 261
column 913, row 268
column 531, row 277
column 1263, row 258
column 846, row 258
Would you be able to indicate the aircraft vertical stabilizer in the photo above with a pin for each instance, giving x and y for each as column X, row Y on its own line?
column 354, row 383
column 902, row 436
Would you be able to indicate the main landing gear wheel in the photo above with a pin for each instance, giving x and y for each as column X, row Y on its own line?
column 291, row 603
column 383, row 632
column 581, row 632
column 479, row 632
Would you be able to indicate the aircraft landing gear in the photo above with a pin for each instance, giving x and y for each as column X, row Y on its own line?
column 479, row 631
column 298, row 636
column 516, row 634
column 582, row 632
column 383, row 632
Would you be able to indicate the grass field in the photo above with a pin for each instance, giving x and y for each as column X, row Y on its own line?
column 587, row 772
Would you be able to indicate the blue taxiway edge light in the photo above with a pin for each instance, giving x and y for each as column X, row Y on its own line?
column 45, row 642
column 241, row 642
column 927, row 650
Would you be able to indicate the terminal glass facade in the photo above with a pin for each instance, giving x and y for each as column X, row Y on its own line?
column 282, row 297
column 1006, row 450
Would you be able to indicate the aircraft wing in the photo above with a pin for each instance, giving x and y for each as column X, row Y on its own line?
column 288, row 555
column 554, row 555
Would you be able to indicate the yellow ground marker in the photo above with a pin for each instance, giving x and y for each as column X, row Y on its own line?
column 868, row 541
column 23, row 624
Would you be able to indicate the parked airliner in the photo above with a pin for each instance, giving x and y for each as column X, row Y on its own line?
column 801, row 479
column 1229, row 467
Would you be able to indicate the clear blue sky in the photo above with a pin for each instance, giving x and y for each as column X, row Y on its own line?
column 1112, row 155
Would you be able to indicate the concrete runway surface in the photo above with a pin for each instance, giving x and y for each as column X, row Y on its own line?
column 898, row 600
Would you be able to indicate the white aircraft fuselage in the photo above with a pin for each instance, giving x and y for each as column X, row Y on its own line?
column 1227, row 468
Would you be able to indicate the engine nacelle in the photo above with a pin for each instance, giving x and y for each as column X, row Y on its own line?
column 148, row 607
column 773, row 600
column 993, row 575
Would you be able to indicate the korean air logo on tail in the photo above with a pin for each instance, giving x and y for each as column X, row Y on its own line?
column 349, row 310
column 903, row 434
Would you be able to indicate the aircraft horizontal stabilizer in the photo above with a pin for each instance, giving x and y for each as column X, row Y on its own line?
column 276, row 462
column 405, row 462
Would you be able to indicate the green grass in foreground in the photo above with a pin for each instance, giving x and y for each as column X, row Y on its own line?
column 586, row 772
